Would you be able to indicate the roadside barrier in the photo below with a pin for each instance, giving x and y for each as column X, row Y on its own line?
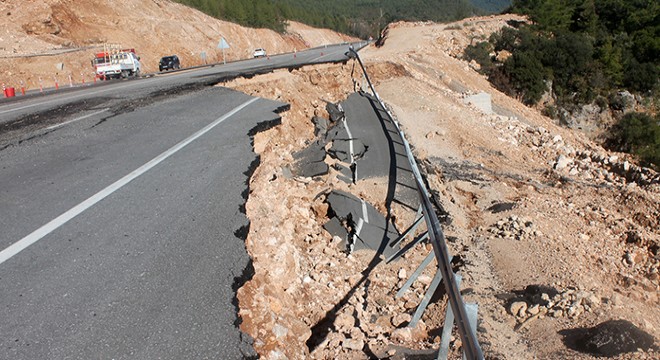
column 8, row 91
column 463, row 315
column 57, row 86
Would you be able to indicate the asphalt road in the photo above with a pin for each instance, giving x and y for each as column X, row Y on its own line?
column 121, row 209
column 20, row 107
column 385, row 156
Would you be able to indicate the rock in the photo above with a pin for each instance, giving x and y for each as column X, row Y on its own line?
column 277, row 355
column 562, row 162
column 401, row 319
column 391, row 352
column 402, row 274
column 502, row 56
column 280, row 331
column 424, row 279
column 534, row 309
column 357, row 334
column 518, row 308
column 345, row 322
column 352, row 344
column 574, row 311
column 403, row 334
column 629, row 259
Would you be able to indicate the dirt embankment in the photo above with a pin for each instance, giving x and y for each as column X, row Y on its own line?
column 55, row 39
column 552, row 233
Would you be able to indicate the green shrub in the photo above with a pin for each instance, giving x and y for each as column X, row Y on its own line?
column 550, row 111
column 641, row 77
column 526, row 73
column 481, row 54
column 639, row 134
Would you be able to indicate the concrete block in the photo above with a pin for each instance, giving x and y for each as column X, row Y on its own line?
column 481, row 101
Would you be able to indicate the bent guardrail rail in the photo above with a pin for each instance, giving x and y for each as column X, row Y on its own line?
column 464, row 316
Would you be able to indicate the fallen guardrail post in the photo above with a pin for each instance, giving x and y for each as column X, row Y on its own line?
column 409, row 230
column 463, row 315
column 408, row 246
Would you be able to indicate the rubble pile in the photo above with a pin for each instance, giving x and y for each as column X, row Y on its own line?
column 514, row 228
column 569, row 160
column 570, row 303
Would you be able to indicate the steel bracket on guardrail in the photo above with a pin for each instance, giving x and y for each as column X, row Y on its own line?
column 459, row 313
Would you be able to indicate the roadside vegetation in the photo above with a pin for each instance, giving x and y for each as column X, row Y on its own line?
column 361, row 18
column 580, row 52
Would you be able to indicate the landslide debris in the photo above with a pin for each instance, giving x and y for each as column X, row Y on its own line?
column 551, row 231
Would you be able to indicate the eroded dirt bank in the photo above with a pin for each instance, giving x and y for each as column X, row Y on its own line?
column 54, row 39
column 553, row 234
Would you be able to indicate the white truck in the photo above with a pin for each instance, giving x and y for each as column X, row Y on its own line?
column 116, row 64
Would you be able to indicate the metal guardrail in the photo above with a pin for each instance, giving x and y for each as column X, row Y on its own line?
column 463, row 315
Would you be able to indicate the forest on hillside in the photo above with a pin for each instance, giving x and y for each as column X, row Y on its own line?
column 361, row 18
column 584, row 52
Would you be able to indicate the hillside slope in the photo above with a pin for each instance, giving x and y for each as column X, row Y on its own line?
column 534, row 209
column 36, row 36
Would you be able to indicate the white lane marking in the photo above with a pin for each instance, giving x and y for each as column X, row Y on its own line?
column 35, row 236
column 350, row 140
column 76, row 119
column 365, row 214
column 358, row 230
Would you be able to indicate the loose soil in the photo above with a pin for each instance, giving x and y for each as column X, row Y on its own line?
column 531, row 206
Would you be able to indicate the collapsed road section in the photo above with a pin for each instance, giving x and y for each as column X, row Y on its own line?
column 361, row 144
column 334, row 180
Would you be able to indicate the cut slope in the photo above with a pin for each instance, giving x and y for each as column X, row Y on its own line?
column 36, row 36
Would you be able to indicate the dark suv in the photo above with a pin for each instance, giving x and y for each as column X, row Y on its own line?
column 169, row 63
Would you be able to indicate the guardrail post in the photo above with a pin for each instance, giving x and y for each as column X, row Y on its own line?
column 443, row 352
column 427, row 260
column 408, row 246
column 410, row 229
